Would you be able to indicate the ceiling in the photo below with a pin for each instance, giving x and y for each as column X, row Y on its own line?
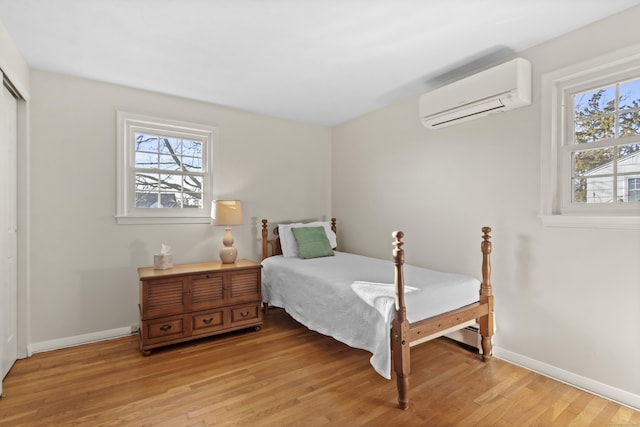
column 315, row 61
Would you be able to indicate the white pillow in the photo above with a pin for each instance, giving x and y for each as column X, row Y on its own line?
column 288, row 241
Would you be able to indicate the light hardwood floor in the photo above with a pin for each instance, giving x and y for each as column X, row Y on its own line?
column 285, row 375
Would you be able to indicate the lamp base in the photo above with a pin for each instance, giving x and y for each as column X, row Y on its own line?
column 228, row 255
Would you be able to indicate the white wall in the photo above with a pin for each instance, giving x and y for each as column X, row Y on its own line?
column 83, row 265
column 567, row 300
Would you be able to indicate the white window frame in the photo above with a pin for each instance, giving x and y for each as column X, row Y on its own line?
column 126, row 212
column 636, row 189
column 556, row 207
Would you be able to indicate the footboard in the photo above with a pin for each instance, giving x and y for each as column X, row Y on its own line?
column 404, row 334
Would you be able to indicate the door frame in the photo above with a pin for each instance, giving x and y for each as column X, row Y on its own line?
column 24, row 228
column 24, row 215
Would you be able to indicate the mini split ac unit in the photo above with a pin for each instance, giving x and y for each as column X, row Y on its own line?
column 501, row 88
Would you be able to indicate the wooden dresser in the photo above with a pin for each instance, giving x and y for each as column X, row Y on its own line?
column 192, row 301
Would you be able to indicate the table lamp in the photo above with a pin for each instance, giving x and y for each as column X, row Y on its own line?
column 227, row 213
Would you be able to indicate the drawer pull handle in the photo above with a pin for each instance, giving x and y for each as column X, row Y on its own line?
column 207, row 321
column 165, row 328
column 244, row 314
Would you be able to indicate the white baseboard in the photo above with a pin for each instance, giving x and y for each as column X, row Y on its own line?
column 57, row 344
column 594, row 387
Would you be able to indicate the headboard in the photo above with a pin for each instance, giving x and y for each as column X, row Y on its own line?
column 276, row 249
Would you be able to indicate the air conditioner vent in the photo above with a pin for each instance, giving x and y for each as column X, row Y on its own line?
column 501, row 88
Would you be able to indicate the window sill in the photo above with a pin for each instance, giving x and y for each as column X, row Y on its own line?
column 142, row 220
column 606, row 222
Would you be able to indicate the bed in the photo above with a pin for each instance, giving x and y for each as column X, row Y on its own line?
column 381, row 306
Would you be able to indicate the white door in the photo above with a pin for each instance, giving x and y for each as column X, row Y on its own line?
column 8, row 230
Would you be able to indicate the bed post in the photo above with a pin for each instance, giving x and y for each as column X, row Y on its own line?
column 265, row 254
column 400, row 326
column 265, row 236
column 486, row 295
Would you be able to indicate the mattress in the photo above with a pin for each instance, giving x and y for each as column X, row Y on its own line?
column 351, row 297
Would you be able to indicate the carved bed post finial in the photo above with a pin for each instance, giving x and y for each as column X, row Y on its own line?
column 398, row 259
column 333, row 225
column 486, row 295
column 397, row 243
column 400, row 326
column 265, row 235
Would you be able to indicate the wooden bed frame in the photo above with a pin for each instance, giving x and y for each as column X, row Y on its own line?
column 405, row 334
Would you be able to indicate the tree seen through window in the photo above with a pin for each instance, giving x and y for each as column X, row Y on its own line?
column 168, row 172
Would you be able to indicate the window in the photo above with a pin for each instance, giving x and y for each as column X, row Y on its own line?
column 164, row 170
column 633, row 184
column 591, row 143
column 605, row 144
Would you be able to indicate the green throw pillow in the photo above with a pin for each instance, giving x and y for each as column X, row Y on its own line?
column 312, row 242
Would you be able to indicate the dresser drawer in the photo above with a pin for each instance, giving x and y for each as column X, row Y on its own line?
column 164, row 329
column 246, row 313
column 209, row 321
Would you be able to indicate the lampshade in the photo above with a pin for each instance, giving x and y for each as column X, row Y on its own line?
column 226, row 212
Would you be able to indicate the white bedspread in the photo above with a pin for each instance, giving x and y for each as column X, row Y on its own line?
column 351, row 297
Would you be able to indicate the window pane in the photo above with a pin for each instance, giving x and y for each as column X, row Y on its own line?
column 592, row 162
column 172, row 163
column 193, row 184
column 579, row 192
column 629, row 123
column 168, row 200
column 629, row 189
column 172, row 182
column 146, row 160
column 192, row 200
column 146, row 200
column 595, row 102
column 630, row 95
column 629, row 159
column 146, row 190
column 595, row 130
column 192, row 148
column 192, row 164
column 146, row 182
column 170, row 145
column 148, row 143
column 593, row 190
